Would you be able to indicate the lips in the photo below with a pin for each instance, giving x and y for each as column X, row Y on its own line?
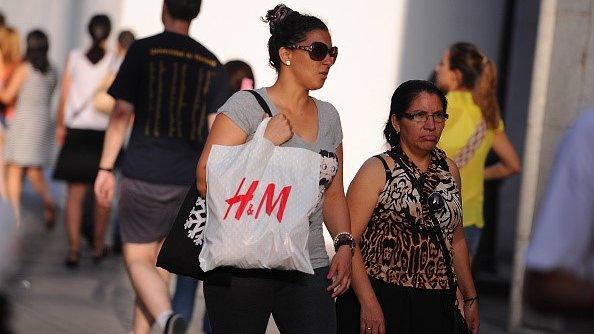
column 429, row 138
column 324, row 74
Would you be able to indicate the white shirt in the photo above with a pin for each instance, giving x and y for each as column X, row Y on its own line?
column 563, row 237
column 85, row 79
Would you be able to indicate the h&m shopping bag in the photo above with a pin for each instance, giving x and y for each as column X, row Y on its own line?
column 259, row 199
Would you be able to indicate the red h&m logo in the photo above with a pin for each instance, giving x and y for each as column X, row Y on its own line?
column 268, row 201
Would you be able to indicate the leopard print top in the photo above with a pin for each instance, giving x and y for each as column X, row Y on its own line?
column 397, row 246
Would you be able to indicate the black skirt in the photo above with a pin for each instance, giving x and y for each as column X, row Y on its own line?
column 79, row 157
column 406, row 310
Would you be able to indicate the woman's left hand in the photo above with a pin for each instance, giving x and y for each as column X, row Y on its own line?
column 340, row 271
column 471, row 314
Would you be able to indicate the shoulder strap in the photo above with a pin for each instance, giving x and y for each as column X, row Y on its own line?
column 472, row 145
column 386, row 168
column 262, row 103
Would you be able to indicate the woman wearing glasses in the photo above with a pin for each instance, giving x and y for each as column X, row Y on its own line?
column 301, row 51
column 406, row 212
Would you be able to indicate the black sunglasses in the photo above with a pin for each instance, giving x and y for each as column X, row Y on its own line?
column 318, row 51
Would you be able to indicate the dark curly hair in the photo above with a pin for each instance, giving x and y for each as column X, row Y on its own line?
column 402, row 98
column 287, row 28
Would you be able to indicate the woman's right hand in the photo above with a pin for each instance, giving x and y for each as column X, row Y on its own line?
column 278, row 130
column 372, row 318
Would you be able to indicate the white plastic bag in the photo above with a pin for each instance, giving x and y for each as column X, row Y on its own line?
column 259, row 199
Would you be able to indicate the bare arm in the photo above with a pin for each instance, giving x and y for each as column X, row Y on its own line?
column 509, row 161
column 119, row 122
column 335, row 210
column 60, row 126
column 10, row 92
column 462, row 265
column 362, row 198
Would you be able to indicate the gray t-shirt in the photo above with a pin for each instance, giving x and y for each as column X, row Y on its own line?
column 243, row 109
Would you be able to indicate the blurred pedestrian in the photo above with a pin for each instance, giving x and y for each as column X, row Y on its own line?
column 10, row 57
column 172, row 86
column 560, row 258
column 241, row 76
column 105, row 103
column 406, row 209
column 473, row 129
column 80, row 130
column 29, row 137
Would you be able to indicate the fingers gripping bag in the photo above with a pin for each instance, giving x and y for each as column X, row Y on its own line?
column 259, row 198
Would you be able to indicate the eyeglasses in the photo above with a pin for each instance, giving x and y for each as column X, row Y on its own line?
column 422, row 117
column 318, row 51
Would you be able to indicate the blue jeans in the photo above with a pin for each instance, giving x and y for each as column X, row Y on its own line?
column 473, row 238
column 183, row 300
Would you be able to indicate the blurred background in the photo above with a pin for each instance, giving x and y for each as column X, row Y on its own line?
column 544, row 51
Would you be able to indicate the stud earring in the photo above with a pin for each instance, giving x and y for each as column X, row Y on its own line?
column 288, row 63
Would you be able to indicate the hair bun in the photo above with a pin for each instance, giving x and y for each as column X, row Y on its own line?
column 276, row 16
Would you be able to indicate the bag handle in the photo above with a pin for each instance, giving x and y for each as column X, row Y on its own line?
column 262, row 127
column 262, row 103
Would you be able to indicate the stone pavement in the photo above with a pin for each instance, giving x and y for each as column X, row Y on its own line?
column 47, row 297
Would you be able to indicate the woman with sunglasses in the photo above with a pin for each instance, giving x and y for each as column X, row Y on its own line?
column 406, row 214
column 301, row 51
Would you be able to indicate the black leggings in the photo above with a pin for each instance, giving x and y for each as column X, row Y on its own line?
column 406, row 310
column 298, row 302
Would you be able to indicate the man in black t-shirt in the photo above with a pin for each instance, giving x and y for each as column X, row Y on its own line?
column 173, row 86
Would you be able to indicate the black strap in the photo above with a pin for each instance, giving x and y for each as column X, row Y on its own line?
column 436, row 230
column 387, row 169
column 262, row 103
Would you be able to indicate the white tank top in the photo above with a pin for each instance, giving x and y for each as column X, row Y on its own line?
column 85, row 78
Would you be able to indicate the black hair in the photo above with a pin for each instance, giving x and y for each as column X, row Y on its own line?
column 402, row 99
column 99, row 28
column 2, row 20
column 238, row 70
column 288, row 28
column 185, row 10
column 126, row 38
column 37, row 48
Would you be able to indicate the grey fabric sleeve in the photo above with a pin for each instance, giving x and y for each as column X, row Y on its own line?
column 243, row 109
column 334, row 124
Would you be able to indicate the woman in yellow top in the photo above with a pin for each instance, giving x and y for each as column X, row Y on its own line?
column 474, row 128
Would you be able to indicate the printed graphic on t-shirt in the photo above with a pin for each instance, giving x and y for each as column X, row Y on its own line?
column 328, row 169
column 171, row 88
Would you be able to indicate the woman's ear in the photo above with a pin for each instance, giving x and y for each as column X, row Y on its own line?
column 457, row 78
column 395, row 123
column 285, row 55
